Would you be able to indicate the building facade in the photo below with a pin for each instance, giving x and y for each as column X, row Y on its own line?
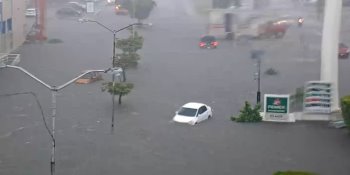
column 12, row 25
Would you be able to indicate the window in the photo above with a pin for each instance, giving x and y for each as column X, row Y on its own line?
column 3, row 27
column 208, row 39
column 9, row 24
column 202, row 109
column 0, row 9
column 188, row 112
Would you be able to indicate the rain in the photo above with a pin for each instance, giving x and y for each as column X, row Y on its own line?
column 158, row 87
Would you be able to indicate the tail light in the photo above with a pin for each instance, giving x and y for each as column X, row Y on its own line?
column 215, row 43
column 201, row 44
column 344, row 50
column 301, row 20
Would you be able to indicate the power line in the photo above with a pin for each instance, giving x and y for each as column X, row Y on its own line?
column 39, row 106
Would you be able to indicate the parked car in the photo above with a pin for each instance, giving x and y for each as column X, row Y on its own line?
column 110, row 2
column 89, row 78
column 208, row 42
column 31, row 12
column 68, row 12
column 193, row 113
column 344, row 51
column 77, row 6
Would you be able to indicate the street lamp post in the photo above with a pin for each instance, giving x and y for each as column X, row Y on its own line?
column 258, row 93
column 54, row 90
column 256, row 55
column 114, row 32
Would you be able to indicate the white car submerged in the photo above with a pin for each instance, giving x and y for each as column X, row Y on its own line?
column 193, row 113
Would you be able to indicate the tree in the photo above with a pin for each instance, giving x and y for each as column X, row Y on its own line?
column 131, row 44
column 120, row 89
column 139, row 9
column 129, row 56
column 237, row 3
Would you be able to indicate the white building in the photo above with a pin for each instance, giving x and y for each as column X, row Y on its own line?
column 12, row 25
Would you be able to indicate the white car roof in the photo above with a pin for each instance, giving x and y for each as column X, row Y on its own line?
column 193, row 105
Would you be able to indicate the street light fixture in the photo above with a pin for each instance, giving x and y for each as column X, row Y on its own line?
column 54, row 90
column 114, row 32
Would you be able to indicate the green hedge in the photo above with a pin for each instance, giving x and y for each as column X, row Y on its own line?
column 345, row 107
column 293, row 173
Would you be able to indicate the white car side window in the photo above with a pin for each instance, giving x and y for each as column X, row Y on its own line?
column 202, row 110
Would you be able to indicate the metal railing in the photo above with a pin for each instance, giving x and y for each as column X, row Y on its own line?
column 10, row 59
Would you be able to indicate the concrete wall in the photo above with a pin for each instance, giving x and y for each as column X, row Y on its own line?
column 19, row 23
column 13, row 15
column 6, row 9
column 5, row 38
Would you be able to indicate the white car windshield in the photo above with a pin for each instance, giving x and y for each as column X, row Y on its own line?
column 189, row 112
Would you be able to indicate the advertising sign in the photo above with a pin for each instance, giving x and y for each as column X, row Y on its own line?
column 90, row 8
column 276, row 107
column 317, row 98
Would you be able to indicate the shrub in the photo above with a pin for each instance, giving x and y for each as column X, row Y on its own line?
column 297, row 99
column 248, row 114
column 271, row 71
column 345, row 107
column 293, row 173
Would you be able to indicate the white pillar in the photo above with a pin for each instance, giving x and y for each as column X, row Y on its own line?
column 329, row 49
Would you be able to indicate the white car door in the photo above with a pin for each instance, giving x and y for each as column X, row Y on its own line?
column 202, row 113
column 205, row 113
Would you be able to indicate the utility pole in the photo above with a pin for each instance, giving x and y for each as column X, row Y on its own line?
column 54, row 91
column 329, row 51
